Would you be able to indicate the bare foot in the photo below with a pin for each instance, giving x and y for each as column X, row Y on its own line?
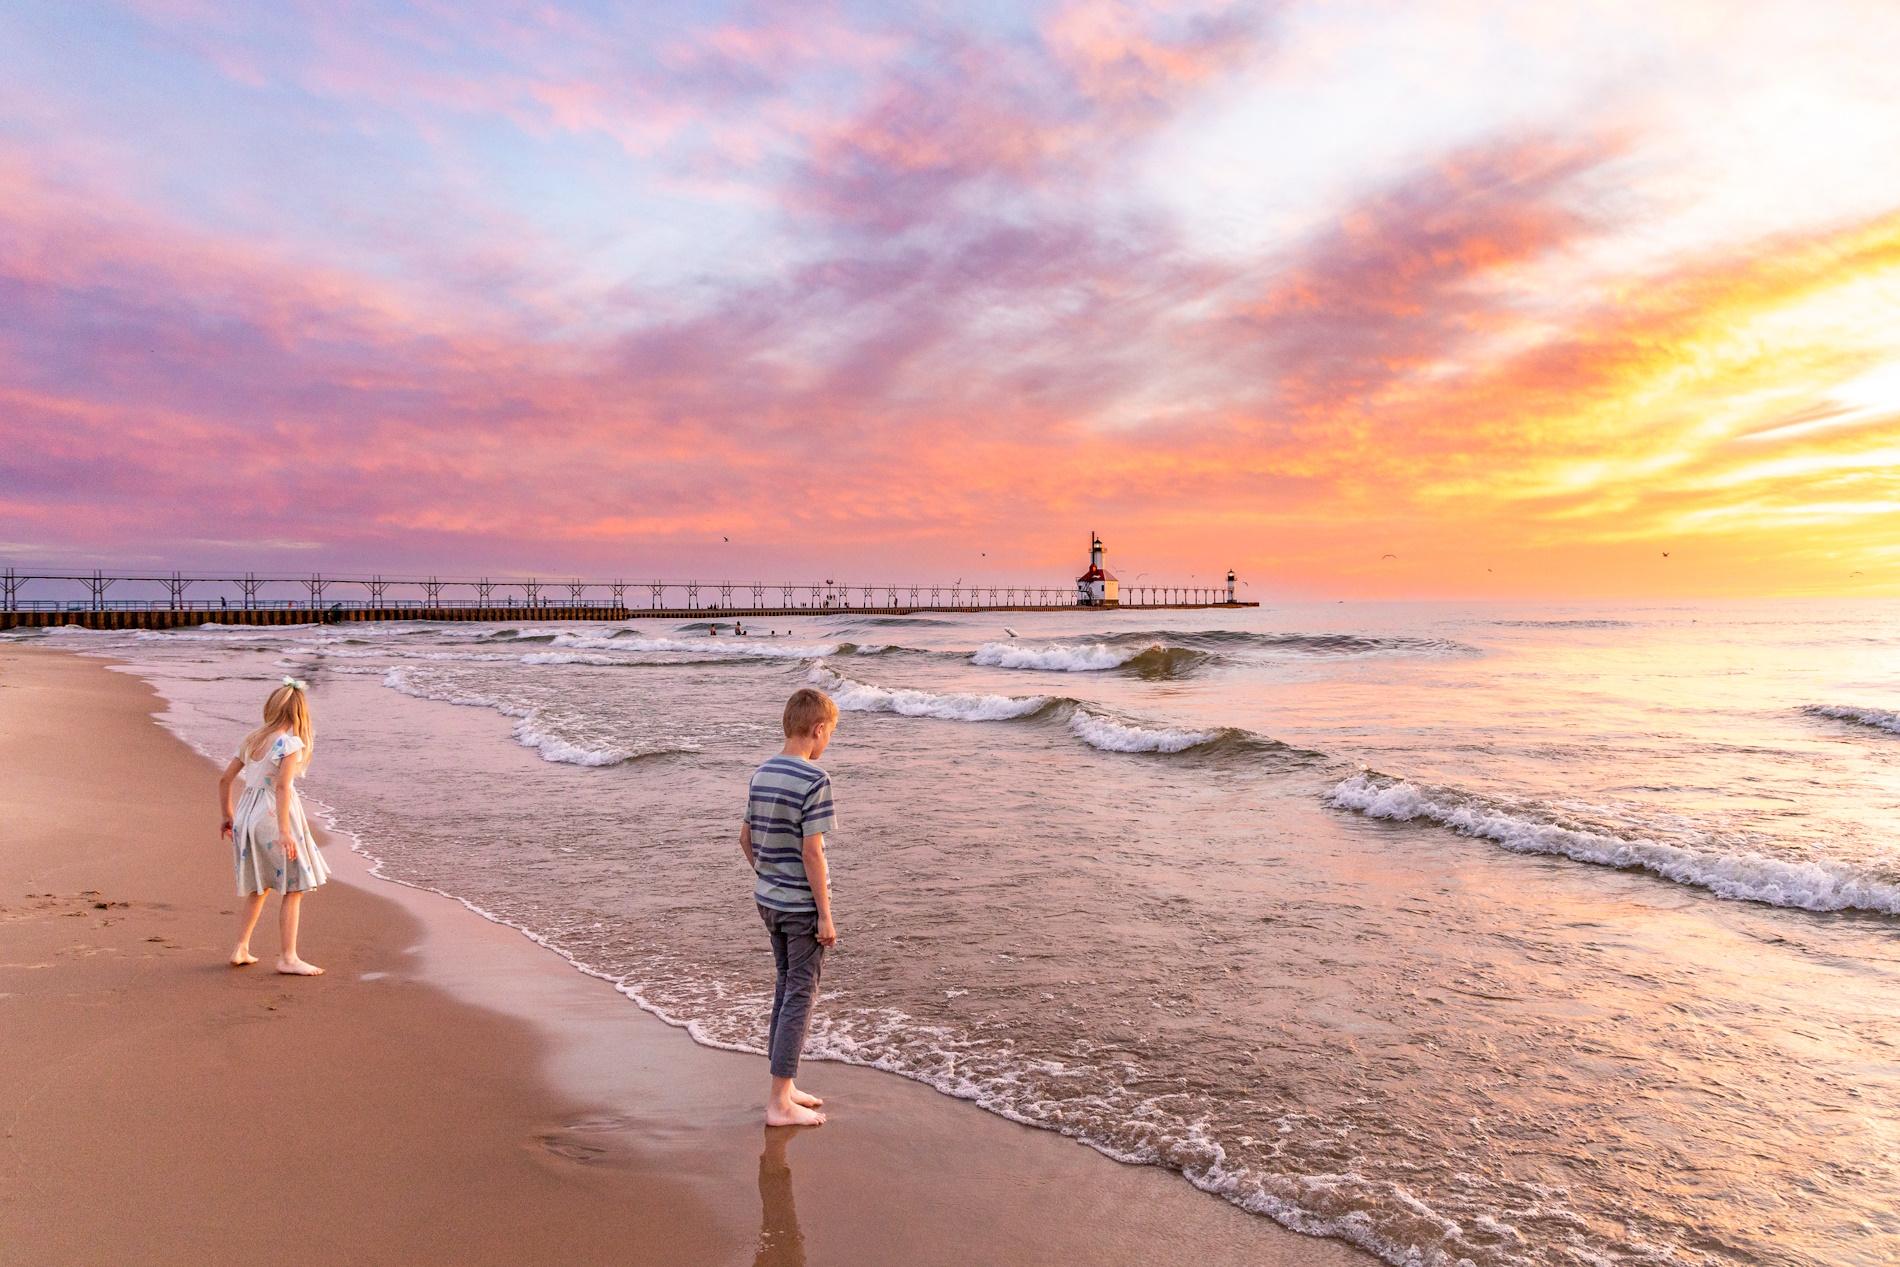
column 805, row 1098
column 298, row 968
column 242, row 958
column 792, row 1115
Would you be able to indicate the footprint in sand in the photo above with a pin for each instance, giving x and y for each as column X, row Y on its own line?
column 572, row 1149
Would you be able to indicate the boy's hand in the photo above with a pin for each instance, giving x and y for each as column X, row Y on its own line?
column 827, row 931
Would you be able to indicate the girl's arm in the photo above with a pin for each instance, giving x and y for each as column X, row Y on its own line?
column 226, row 782
column 286, row 772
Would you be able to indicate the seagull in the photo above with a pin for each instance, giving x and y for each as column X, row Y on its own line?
column 725, row 538
column 1854, row 574
column 1665, row 554
column 1388, row 556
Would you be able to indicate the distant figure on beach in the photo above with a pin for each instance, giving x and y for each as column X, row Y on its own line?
column 270, row 839
column 788, row 812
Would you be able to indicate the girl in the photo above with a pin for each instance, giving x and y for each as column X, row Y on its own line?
column 272, row 842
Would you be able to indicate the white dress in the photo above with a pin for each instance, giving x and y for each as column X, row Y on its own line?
column 261, row 864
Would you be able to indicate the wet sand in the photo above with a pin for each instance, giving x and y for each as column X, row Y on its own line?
column 449, row 1092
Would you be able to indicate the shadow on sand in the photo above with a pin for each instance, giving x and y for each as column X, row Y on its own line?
column 781, row 1244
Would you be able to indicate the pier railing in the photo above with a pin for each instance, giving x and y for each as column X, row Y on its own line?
column 40, row 596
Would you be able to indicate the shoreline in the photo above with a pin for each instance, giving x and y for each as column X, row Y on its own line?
column 528, row 1096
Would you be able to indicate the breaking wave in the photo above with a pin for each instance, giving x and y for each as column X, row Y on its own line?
column 1111, row 735
column 1084, row 721
column 1878, row 718
column 1175, row 653
column 528, row 730
column 1749, row 877
column 861, row 697
column 1152, row 660
column 733, row 648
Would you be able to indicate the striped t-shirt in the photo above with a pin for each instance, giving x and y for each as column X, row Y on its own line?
column 790, row 799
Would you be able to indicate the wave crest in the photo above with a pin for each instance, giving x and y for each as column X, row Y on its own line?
column 861, row 697
column 527, row 729
column 734, row 647
column 1878, row 718
column 1750, row 877
column 1149, row 659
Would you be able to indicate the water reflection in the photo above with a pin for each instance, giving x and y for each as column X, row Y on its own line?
column 781, row 1244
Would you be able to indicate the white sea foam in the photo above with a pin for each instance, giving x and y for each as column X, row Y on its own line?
column 240, row 633
column 733, row 647
column 1117, row 736
column 527, row 732
column 1879, row 718
column 1752, row 877
column 1056, row 657
column 861, row 697
column 603, row 660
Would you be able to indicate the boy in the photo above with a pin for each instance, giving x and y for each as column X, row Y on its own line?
column 788, row 813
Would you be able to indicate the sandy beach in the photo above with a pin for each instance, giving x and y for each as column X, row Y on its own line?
column 449, row 1092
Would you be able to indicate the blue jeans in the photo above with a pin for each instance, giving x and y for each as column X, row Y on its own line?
column 799, row 957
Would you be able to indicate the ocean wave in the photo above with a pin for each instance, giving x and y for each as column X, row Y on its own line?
column 522, row 635
column 1086, row 722
column 1310, row 644
column 528, row 728
column 1878, row 718
column 1058, row 658
column 1110, row 735
column 1750, row 877
column 894, row 622
column 861, row 697
column 735, row 647
column 223, row 633
column 631, row 660
column 1155, row 660
column 411, row 654
column 1177, row 652
column 1580, row 623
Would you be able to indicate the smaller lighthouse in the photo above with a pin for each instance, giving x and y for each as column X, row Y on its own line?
column 1230, row 585
column 1097, row 587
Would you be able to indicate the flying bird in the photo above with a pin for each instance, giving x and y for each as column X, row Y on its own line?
column 725, row 538
column 1388, row 556
column 1665, row 554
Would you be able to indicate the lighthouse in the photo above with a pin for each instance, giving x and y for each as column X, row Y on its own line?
column 1097, row 587
column 1230, row 586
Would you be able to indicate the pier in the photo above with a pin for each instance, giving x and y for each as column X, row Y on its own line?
column 43, row 598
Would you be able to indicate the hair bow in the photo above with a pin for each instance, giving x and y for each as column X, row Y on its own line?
column 296, row 684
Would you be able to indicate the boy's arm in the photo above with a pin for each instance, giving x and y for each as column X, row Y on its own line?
column 820, row 880
column 745, row 845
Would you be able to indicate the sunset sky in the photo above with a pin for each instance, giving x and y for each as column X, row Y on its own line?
column 1527, row 294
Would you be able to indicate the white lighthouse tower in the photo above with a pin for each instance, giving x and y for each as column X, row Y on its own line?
column 1230, row 585
column 1097, row 587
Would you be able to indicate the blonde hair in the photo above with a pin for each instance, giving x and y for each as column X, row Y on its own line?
column 286, row 709
column 807, row 710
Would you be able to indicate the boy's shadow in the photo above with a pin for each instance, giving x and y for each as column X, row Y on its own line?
column 781, row 1244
